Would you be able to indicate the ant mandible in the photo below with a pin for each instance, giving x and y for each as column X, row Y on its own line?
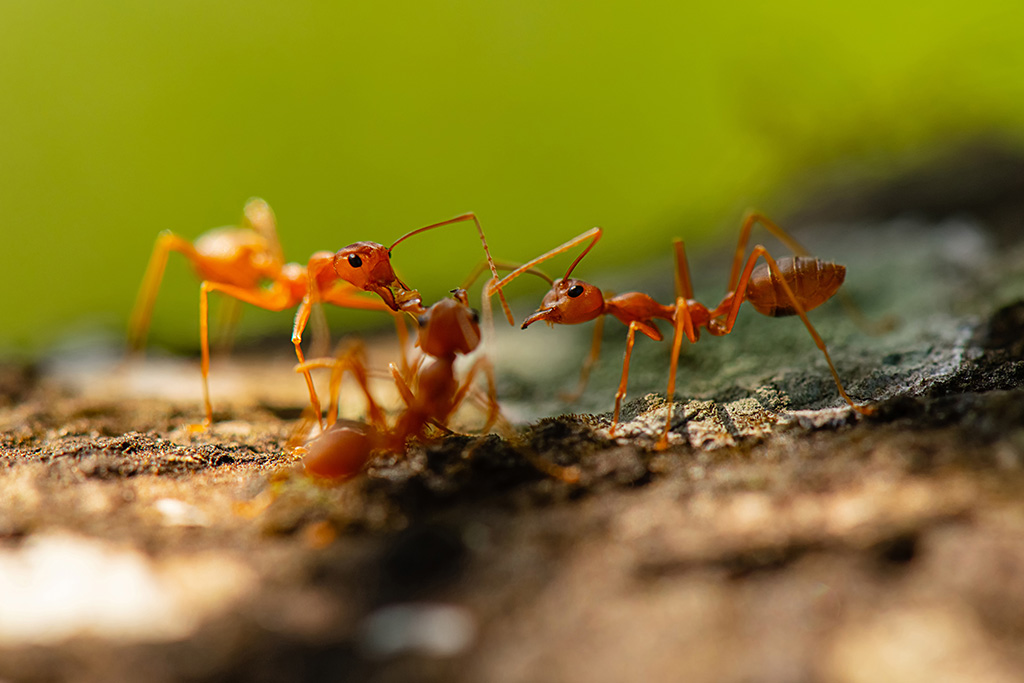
column 247, row 264
column 789, row 286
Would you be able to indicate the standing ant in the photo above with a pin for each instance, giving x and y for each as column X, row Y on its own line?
column 789, row 286
column 247, row 264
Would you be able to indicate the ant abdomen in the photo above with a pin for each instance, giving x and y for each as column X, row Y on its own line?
column 812, row 281
column 340, row 452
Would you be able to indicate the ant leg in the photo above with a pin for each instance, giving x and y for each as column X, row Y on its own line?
column 258, row 215
column 493, row 407
column 301, row 318
column 588, row 363
column 351, row 357
column 683, row 326
column 633, row 327
column 228, row 316
column 482, row 401
column 872, row 327
column 340, row 294
column 684, row 288
column 403, row 387
column 460, row 394
column 751, row 219
column 402, row 332
column 274, row 299
column 740, row 293
column 166, row 242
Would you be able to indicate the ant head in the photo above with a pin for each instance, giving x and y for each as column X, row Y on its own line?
column 367, row 265
column 450, row 326
column 569, row 302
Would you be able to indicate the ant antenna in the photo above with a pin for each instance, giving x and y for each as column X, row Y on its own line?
column 487, row 252
column 597, row 236
column 502, row 265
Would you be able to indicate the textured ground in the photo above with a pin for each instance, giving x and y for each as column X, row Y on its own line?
column 781, row 538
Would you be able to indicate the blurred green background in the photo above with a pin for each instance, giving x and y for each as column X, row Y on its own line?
column 360, row 121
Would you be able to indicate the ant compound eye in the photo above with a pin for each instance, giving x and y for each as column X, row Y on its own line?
column 474, row 315
column 423, row 320
column 355, row 261
column 575, row 291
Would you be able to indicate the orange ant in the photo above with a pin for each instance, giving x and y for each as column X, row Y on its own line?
column 789, row 286
column 247, row 264
column 238, row 261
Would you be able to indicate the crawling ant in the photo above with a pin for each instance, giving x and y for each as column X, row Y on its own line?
column 789, row 286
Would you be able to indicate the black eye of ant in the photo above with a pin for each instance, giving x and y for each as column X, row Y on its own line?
column 423, row 320
column 474, row 315
column 354, row 260
column 575, row 291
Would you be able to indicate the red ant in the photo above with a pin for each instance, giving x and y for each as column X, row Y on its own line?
column 789, row 286
column 447, row 329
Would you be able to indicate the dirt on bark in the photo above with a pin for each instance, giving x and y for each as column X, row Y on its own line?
column 782, row 536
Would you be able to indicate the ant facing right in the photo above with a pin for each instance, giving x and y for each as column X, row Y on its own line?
column 784, row 287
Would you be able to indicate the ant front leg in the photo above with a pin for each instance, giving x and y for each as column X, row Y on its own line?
column 402, row 385
column 630, row 338
column 340, row 294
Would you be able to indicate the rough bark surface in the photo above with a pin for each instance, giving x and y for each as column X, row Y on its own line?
column 781, row 538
